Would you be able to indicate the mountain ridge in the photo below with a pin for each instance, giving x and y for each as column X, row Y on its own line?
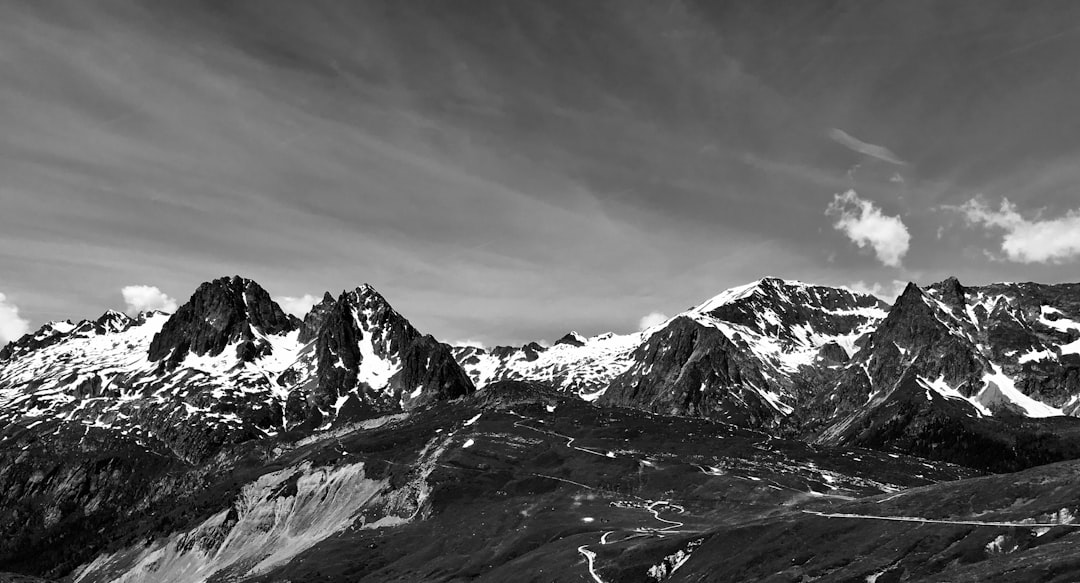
column 262, row 447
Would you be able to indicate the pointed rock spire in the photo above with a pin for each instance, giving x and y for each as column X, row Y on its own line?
column 952, row 293
column 315, row 318
column 221, row 312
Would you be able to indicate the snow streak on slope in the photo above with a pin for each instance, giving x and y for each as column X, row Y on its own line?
column 103, row 378
column 999, row 388
column 585, row 370
column 942, row 388
column 781, row 326
column 786, row 323
column 374, row 370
column 1013, row 334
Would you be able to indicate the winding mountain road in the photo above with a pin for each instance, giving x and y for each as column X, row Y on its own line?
column 938, row 521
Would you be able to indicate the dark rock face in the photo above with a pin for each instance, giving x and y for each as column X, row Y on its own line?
column 429, row 365
column 572, row 339
column 368, row 353
column 952, row 293
column 221, row 312
column 777, row 308
column 314, row 320
column 911, row 340
column 359, row 316
column 691, row 369
column 923, row 423
column 833, row 354
column 962, row 338
column 718, row 368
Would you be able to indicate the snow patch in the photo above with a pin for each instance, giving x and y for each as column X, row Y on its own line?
column 1006, row 388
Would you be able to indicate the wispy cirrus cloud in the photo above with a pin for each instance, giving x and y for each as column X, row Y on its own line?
column 1037, row 240
column 867, row 226
column 874, row 151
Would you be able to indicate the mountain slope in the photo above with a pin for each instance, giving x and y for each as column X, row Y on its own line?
column 740, row 356
column 228, row 366
column 940, row 377
column 229, row 442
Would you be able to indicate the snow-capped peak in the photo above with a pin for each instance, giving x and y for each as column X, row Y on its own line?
column 728, row 296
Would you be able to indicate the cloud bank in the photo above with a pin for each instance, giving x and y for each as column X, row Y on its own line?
column 11, row 325
column 143, row 298
column 1028, row 241
column 650, row 320
column 874, row 151
column 866, row 225
column 887, row 292
column 297, row 306
column 467, row 342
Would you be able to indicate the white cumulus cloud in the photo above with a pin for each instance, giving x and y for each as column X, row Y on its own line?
column 467, row 342
column 143, row 298
column 887, row 292
column 12, row 326
column 866, row 225
column 650, row 320
column 1035, row 240
column 297, row 306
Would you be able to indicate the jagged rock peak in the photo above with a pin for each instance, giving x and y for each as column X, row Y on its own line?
column 912, row 292
column 368, row 294
column 950, row 291
column 316, row 317
column 789, row 290
column 229, row 310
column 113, row 321
column 572, row 338
column 367, row 304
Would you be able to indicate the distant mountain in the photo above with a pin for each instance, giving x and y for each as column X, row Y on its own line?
column 742, row 356
column 231, row 442
column 228, row 366
column 946, row 372
column 980, row 376
column 738, row 350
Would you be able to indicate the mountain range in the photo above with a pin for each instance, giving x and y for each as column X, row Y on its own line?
column 229, row 441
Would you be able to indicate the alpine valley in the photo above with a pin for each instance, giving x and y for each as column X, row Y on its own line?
column 779, row 432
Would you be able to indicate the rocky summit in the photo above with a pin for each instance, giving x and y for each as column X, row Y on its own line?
column 779, row 431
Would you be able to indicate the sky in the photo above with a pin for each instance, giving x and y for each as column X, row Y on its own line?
column 508, row 171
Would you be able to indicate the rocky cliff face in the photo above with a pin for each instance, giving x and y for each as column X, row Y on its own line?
column 744, row 356
column 971, row 375
column 688, row 368
column 228, row 366
column 231, row 311
column 366, row 359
